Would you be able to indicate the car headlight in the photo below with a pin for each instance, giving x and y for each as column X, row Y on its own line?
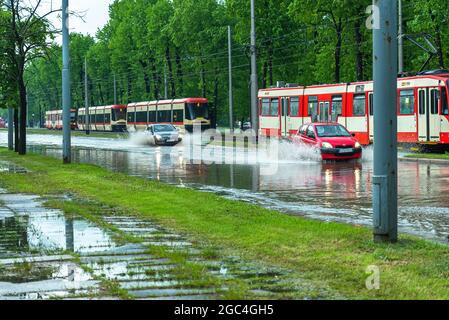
column 358, row 145
column 326, row 145
column 158, row 137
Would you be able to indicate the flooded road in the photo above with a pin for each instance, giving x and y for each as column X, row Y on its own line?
column 286, row 179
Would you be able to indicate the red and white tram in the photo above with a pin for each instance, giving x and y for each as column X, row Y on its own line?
column 423, row 109
column 182, row 113
column 53, row 119
column 105, row 118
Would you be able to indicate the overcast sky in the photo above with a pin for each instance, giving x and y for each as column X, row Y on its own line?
column 95, row 14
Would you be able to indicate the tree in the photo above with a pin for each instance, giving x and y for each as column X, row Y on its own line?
column 29, row 33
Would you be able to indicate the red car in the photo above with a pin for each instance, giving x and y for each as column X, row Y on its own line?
column 332, row 139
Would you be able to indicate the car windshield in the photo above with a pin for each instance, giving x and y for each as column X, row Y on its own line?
column 164, row 128
column 328, row 131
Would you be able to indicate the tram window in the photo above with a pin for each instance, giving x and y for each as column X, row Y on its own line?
column 337, row 107
column 422, row 101
column 371, row 104
column 131, row 116
column 407, row 102
column 265, row 107
column 141, row 116
column 178, row 116
column 107, row 118
column 92, row 118
column 444, row 105
column 152, row 116
column 99, row 118
column 294, row 107
column 359, row 105
column 274, row 110
column 313, row 108
column 164, row 116
column 434, row 101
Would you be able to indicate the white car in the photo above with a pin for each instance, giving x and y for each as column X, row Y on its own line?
column 163, row 134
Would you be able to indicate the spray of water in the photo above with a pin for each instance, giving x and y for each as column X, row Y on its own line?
column 138, row 138
column 368, row 154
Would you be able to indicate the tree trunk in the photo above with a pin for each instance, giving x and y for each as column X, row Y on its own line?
column 170, row 72
column 23, row 115
column 129, row 87
column 358, row 51
column 264, row 74
column 213, row 116
column 146, row 78
column 16, row 130
column 156, row 79
column 179, row 73
column 439, row 47
column 203, row 79
column 438, row 39
column 270, row 63
column 338, row 52
column 100, row 92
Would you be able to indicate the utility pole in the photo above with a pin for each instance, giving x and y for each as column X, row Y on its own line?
column 254, row 85
column 385, row 180
column 231, row 96
column 115, row 90
column 401, row 40
column 66, row 141
column 86, row 99
column 10, row 128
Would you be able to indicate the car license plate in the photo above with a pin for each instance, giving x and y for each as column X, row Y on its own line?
column 171, row 140
column 346, row 150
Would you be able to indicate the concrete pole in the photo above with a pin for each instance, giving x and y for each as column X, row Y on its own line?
column 115, row 90
column 401, row 40
column 231, row 95
column 67, row 157
column 254, row 84
column 385, row 180
column 86, row 98
column 11, row 129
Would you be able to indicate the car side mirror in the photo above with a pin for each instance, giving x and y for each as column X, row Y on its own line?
column 353, row 134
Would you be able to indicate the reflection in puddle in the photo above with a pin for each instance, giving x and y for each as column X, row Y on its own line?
column 27, row 226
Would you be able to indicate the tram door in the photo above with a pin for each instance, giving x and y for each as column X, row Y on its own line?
column 428, row 115
column 285, row 121
column 324, row 114
column 371, row 116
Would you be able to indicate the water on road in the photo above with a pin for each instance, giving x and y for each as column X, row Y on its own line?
column 282, row 177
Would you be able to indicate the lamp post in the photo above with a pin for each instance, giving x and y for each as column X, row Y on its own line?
column 385, row 179
column 66, row 149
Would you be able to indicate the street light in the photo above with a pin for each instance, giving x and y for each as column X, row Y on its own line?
column 66, row 152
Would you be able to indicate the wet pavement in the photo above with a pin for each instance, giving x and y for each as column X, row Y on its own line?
column 47, row 255
column 285, row 178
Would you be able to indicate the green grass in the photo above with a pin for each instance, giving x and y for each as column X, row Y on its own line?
column 330, row 254
column 428, row 156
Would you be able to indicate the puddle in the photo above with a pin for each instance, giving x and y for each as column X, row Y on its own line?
column 7, row 167
column 41, row 235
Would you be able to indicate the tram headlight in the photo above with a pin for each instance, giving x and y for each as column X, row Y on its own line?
column 358, row 145
column 326, row 145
